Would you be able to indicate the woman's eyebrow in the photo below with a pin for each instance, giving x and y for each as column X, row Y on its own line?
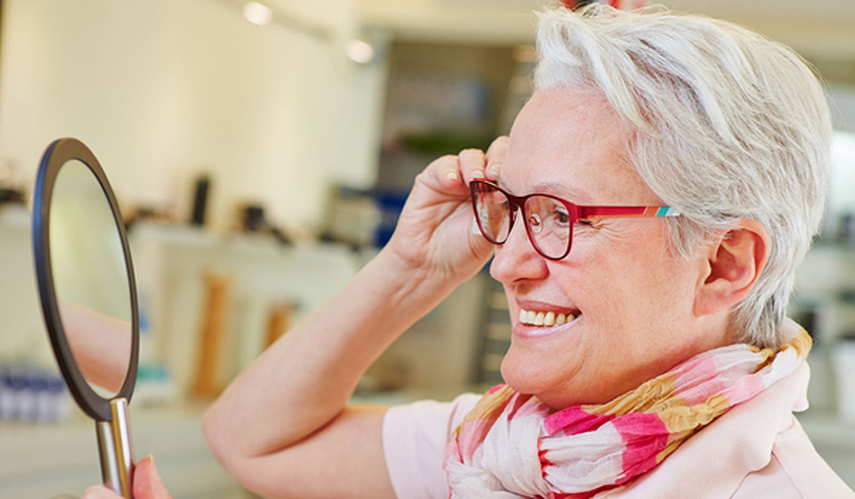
column 574, row 195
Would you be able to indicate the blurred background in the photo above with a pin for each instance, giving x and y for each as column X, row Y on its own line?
column 261, row 152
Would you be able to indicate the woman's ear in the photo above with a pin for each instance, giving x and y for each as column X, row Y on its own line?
column 732, row 267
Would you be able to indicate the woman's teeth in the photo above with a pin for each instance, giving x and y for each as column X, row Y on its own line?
column 544, row 319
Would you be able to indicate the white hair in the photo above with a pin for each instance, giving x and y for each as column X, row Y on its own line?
column 728, row 125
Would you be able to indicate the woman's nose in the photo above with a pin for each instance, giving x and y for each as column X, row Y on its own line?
column 517, row 259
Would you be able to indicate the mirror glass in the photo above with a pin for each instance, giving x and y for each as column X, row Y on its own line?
column 90, row 278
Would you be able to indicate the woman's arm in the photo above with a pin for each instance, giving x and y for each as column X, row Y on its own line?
column 282, row 427
column 101, row 345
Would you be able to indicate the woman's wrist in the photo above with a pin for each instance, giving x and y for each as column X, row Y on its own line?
column 411, row 285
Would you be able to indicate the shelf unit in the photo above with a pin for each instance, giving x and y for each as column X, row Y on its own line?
column 48, row 461
column 495, row 335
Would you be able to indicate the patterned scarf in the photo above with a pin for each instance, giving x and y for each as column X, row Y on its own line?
column 511, row 445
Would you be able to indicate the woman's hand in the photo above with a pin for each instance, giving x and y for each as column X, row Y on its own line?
column 147, row 484
column 436, row 232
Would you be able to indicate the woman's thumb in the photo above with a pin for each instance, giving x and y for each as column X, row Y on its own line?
column 147, row 483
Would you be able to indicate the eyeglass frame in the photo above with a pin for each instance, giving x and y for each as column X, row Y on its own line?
column 575, row 212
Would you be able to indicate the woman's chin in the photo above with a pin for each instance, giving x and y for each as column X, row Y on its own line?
column 555, row 381
column 525, row 374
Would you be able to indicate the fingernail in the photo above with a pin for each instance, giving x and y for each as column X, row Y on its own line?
column 154, row 468
column 495, row 169
column 452, row 176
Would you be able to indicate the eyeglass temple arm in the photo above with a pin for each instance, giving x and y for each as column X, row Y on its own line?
column 592, row 212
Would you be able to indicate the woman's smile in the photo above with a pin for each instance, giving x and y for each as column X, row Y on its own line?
column 527, row 330
column 537, row 319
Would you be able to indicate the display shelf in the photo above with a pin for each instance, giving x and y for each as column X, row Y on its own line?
column 495, row 335
column 45, row 461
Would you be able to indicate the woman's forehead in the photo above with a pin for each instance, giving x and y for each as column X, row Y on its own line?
column 571, row 145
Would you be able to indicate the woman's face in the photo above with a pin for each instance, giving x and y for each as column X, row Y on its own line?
column 633, row 299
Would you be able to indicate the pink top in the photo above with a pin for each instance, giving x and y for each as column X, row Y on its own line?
column 756, row 450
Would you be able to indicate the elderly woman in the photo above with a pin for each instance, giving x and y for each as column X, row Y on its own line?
column 646, row 218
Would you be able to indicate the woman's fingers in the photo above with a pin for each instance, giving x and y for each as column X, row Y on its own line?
column 453, row 173
column 446, row 171
column 441, row 176
column 472, row 163
column 495, row 157
column 147, row 482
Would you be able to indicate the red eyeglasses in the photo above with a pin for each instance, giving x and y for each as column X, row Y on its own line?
column 549, row 220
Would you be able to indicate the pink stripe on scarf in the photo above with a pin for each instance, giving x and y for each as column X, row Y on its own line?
column 574, row 420
column 696, row 379
column 495, row 389
column 744, row 388
column 645, row 436
column 471, row 436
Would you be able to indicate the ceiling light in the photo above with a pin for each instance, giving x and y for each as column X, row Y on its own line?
column 257, row 13
column 360, row 51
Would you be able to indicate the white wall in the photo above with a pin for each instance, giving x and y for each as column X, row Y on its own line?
column 22, row 332
column 164, row 89
column 841, row 200
column 841, row 98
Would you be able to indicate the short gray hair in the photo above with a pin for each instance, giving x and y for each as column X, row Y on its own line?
column 727, row 125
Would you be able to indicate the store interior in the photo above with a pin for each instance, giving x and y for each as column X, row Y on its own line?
column 260, row 153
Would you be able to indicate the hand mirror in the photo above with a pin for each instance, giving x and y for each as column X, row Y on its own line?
column 88, row 296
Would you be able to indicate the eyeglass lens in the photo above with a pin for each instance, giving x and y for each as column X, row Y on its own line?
column 547, row 220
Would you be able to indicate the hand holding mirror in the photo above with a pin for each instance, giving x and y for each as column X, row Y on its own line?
column 88, row 296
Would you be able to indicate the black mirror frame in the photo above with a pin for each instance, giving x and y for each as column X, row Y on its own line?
column 56, row 155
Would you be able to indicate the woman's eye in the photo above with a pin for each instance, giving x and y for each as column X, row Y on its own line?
column 560, row 216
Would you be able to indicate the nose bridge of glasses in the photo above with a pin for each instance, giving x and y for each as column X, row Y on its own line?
column 516, row 209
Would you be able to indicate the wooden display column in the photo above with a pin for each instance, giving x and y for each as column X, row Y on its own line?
column 278, row 321
column 217, row 299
